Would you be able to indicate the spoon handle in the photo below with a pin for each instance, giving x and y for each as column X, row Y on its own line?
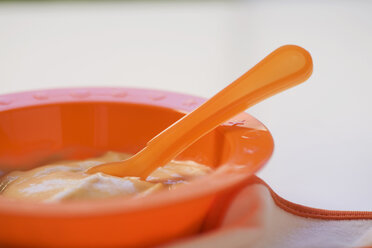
column 286, row 67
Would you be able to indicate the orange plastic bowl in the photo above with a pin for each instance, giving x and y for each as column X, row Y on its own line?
column 40, row 126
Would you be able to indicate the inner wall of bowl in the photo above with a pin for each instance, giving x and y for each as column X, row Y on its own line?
column 38, row 135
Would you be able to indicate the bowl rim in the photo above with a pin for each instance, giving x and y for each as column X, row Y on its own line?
column 179, row 102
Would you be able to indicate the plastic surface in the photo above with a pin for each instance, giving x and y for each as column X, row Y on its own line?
column 284, row 68
column 43, row 126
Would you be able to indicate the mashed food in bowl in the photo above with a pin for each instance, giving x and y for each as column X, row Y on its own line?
column 67, row 180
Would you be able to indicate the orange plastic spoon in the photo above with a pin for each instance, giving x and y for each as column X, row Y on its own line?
column 286, row 67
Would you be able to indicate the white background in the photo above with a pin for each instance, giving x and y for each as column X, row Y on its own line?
column 321, row 128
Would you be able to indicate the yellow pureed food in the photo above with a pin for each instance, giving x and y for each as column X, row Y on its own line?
column 67, row 180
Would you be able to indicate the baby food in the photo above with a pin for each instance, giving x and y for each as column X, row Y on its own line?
column 67, row 180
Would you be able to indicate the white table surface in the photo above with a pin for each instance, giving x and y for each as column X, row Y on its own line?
column 321, row 128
